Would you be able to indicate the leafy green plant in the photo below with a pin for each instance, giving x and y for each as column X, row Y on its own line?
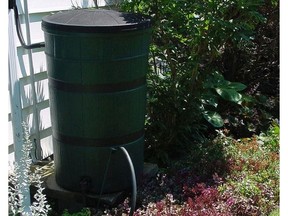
column 270, row 139
column 257, row 65
column 187, row 83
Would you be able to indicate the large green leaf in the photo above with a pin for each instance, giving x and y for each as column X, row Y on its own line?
column 210, row 99
column 229, row 94
column 213, row 118
column 235, row 86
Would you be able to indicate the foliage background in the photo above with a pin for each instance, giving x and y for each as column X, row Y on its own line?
column 212, row 63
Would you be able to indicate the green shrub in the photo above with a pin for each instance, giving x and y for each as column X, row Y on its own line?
column 187, row 82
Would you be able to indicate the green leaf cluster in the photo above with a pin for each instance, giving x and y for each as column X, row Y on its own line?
column 186, row 81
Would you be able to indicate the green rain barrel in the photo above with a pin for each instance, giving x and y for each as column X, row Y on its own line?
column 97, row 62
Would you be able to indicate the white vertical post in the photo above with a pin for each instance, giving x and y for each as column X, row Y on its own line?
column 36, row 143
column 16, row 106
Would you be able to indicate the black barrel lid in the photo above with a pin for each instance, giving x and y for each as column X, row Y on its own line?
column 95, row 20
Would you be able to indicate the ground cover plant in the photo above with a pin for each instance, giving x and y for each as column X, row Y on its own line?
column 242, row 180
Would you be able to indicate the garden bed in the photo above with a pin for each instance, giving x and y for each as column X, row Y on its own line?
column 221, row 177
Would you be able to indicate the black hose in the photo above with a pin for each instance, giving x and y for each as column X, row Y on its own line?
column 134, row 185
column 19, row 31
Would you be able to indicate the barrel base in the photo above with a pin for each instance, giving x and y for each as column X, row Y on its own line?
column 97, row 170
column 75, row 201
column 55, row 191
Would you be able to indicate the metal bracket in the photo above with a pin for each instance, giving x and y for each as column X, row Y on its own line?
column 11, row 4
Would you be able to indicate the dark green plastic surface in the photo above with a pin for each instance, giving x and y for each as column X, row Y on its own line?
column 97, row 85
